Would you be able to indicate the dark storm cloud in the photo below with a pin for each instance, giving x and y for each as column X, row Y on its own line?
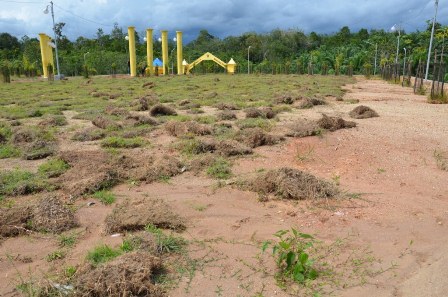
column 220, row 18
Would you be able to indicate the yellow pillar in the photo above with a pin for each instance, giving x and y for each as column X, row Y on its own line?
column 231, row 67
column 149, row 50
column 43, row 39
column 132, row 57
column 179, row 53
column 165, row 51
column 50, row 59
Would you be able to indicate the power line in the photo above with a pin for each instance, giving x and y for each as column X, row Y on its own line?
column 87, row 20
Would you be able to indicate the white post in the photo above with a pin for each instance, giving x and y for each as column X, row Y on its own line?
column 55, row 41
column 430, row 42
column 248, row 62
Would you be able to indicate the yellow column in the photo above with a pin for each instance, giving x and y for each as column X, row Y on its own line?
column 132, row 57
column 43, row 39
column 231, row 67
column 149, row 50
column 179, row 53
column 50, row 59
column 165, row 51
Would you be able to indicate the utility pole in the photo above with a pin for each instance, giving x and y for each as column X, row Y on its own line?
column 430, row 42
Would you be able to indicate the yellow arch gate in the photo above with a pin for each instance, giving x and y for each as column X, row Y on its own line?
column 229, row 67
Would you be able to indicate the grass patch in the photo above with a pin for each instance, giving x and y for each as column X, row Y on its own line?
column 105, row 197
column 166, row 243
column 220, row 169
column 53, row 168
column 20, row 182
column 120, row 142
column 102, row 254
column 56, row 255
column 68, row 240
column 9, row 151
column 255, row 123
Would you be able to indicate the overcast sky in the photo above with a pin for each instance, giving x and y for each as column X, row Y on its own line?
column 220, row 17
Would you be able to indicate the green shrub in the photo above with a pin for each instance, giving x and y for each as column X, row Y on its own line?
column 120, row 142
column 53, row 168
column 105, row 197
column 220, row 169
column 291, row 255
column 102, row 253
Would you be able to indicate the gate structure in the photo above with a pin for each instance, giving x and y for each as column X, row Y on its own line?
column 229, row 67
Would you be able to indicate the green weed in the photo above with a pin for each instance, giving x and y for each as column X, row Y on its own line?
column 105, row 197
column 220, row 169
column 9, row 151
column 102, row 254
column 68, row 240
column 19, row 182
column 166, row 243
column 56, row 255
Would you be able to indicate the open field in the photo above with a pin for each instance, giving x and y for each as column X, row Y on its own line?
column 181, row 181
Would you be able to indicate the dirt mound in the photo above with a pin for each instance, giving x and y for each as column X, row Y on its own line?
column 138, row 120
column 90, row 171
column 334, row 123
column 135, row 214
column 201, row 162
column 293, row 184
column 266, row 113
column 132, row 274
column 232, row 148
column 89, row 134
column 363, row 112
column 226, row 115
column 255, row 137
column 51, row 215
column 310, row 103
column 14, row 221
column 116, row 111
column 105, row 123
column 177, row 129
column 226, row 106
column 303, row 128
column 161, row 110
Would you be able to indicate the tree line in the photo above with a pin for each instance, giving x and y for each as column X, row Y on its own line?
column 278, row 51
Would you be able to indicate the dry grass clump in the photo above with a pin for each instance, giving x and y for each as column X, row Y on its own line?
column 178, row 129
column 131, row 274
column 14, row 221
column 265, row 113
column 135, row 214
column 255, row 137
column 226, row 115
column 334, row 123
column 284, row 99
column 51, row 215
column 198, row 164
column 89, row 172
column 162, row 110
column 149, row 85
column 303, row 128
column 89, row 134
column 54, row 121
column 294, row 184
column 105, row 123
column 39, row 149
column 363, row 112
column 116, row 111
column 145, row 102
column 24, row 135
column 226, row 106
column 230, row 148
column 310, row 103
column 163, row 168
column 138, row 120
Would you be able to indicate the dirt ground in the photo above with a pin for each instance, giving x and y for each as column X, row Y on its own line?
column 398, row 211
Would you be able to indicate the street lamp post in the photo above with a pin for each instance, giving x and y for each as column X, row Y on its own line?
column 85, row 57
column 394, row 29
column 430, row 42
column 55, row 38
column 171, row 55
column 248, row 61
column 404, row 62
